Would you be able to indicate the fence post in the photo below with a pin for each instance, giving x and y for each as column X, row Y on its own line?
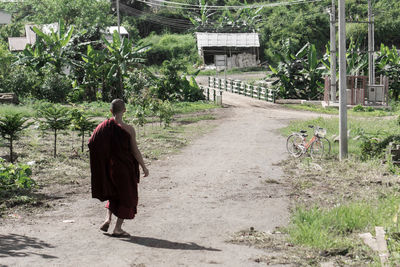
column 273, row 96
column 214, row 94
column 259, row 92
column 265, row 93
column 251, row 90
column 208, row 93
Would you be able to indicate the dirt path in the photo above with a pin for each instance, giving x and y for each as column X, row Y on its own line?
column 189, row 207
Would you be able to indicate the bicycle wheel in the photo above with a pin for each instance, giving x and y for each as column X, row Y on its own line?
column 317, row 149
column 327, row 145
column 294, row 144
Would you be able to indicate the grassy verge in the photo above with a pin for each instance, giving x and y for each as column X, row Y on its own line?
column 357, row 127
column 333, row 202
column 366, row 112
column 27, row 111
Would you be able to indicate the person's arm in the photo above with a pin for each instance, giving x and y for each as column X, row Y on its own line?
column 136, row 152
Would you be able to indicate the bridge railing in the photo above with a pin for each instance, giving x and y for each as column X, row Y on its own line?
column 242, row 88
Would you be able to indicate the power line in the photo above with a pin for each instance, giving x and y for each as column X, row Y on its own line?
column 177, row 5
column 175, row 23
column 180, row 23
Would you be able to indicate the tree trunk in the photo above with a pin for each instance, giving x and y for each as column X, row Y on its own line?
column 55, row 143
column 83, row 139
column 11, row 151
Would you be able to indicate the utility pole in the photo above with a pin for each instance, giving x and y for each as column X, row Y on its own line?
column 333, row 51
column 371, row 45
column 342, row 82
column 119, row 21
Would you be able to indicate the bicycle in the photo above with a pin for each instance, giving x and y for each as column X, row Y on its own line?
column 297, row 145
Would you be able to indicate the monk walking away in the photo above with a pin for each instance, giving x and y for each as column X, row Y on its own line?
column 114, row 163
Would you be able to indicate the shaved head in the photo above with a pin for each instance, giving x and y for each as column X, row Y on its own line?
column 117, row 106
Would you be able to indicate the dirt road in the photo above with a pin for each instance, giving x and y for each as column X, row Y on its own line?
column 189, row 207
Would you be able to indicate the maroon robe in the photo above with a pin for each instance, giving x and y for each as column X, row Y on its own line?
column 115, row 171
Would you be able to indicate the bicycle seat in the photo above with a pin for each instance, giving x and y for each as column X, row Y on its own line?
column 304, row 134
column 303, row 131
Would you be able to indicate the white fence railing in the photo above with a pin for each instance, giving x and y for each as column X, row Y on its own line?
column 241, row 88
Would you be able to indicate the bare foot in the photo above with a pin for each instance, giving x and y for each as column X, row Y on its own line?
column 104, row 226
column 120, row 233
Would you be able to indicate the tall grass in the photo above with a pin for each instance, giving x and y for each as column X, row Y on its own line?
column 326, row 229
column 356, row 125
column 26, row 111
column 367, row 112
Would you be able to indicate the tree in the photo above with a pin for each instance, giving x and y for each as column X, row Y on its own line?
column 11, row 126
column 56, row 118
column 300, row 74
column 388, row 64
column 93, row 72
column 81, row 13
column 121, row 56
column 49, row 49
column 81, row 123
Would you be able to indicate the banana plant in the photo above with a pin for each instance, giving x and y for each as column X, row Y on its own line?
column 120, row 57
column 388, row 64
column 202, row 21
column 49, row 49
column 94, row 70
column 299, row 75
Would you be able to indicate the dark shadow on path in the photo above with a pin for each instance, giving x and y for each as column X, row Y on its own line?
column 161, row 243
column 13, row 245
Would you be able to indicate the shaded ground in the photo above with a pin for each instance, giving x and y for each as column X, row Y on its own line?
column 189, row 207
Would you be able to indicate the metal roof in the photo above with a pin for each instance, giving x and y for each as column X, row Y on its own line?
column 5, row 17
column 122, row 30
column 17, row 43
column 205, row 39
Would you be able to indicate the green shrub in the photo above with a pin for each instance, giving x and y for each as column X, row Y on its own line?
column 175, row 87
column 171, row 46
column 20, row 80
column 55, row 88
column 11, row 126
column 15, row 176
column 165, row 113
column 81, row 122
column 358, row 108
column 56, row 119
column 369, row 109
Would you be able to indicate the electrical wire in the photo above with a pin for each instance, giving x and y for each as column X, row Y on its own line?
column 179, row 23
column 175, row 23
column 171, row 4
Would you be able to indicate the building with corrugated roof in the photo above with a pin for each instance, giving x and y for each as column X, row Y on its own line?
column 5, row 18
column 19, row 43
column 238, row 50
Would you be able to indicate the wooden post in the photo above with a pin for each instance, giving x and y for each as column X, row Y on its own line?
column 333, row 52
column 371, row 47
column 342, row 83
